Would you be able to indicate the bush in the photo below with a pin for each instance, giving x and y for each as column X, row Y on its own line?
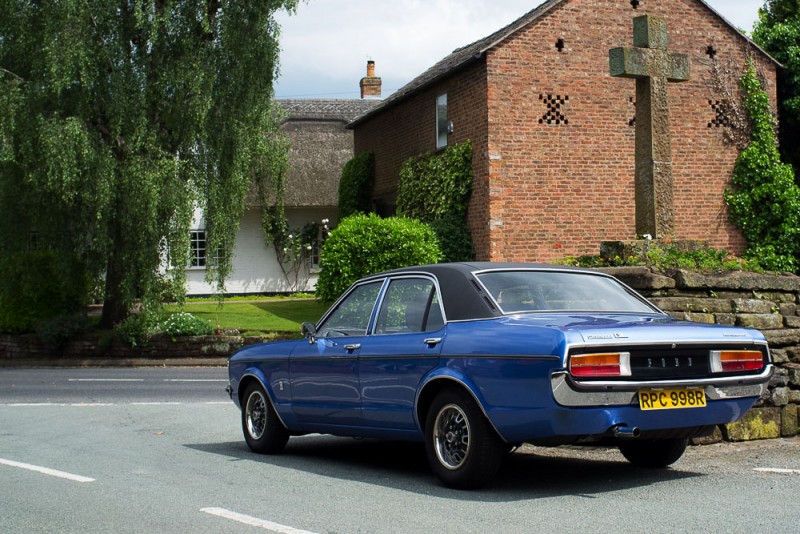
column 355, row 186
column 36, row 286
column 366, row 244
column 765, row 200
column 57, row 331
column 137, row 328
column 186, row 324
column 454, row 239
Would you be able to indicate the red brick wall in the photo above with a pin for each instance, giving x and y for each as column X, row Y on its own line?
column 552, row 189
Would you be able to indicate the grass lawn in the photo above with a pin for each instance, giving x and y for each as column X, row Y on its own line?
column 271, row 315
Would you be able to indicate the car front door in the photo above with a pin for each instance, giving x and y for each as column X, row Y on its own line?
column 404, row 347
column 324, row 373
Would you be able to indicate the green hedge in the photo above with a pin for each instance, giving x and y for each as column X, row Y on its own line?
column 355, row 186
column 366, row 244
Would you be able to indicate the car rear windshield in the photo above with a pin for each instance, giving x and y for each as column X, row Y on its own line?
column 536, row 291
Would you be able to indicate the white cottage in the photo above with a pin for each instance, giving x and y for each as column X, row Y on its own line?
column 320, row 147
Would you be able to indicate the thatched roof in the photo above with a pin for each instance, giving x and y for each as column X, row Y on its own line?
column 320, row 147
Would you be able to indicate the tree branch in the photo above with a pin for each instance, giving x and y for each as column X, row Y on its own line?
column 20, row 78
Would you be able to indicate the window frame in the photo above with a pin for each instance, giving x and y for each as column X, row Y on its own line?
column 442, row 122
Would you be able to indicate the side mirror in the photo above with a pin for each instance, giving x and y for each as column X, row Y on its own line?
column 309, row 331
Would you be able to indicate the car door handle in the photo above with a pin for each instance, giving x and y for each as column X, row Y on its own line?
column 352, row 346
column 433, row 341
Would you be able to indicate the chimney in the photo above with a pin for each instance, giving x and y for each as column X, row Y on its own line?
column 370, row 84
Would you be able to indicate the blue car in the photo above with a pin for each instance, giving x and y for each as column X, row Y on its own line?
column 475, row 359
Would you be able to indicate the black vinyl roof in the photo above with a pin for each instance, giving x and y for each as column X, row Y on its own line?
column 463, row 297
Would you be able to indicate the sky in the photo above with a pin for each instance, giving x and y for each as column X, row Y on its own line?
column 326, row 44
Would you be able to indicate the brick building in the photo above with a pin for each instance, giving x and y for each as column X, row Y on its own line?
column 553, row 132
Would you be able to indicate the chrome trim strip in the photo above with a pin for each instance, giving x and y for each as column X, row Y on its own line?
column 762, row 377
column 566, row 396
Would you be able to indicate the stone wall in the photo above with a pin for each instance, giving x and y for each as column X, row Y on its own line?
column 103, row 348
column 770, row 303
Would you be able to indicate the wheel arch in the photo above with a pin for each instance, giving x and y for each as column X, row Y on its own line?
column 251, row 377
column 441, row 382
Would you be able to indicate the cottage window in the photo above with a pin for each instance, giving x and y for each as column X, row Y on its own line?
column 197, row 244
column 442, row 124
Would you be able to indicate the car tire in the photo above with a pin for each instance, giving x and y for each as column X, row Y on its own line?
column 263, row 430
column 463, row 449
column 655, row 453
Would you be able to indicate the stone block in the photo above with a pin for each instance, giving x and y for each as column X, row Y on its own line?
column 714, row 437
column 755, row 306
column 780, row 396
column 791, row 321
column 758, row 423
column 783, row 337
column 638, row 277
column 793, row 373
column 707, row 318
column 737, row 281
column 779, row 356
column 690, row 304
column 794, row 396
column 789, row 422
column 761, row 321
column 788, row 309
column 728, row 319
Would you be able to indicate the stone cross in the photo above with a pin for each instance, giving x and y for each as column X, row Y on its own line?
column 653, row 67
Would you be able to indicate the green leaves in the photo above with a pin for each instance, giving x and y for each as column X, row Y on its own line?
column 118, row 119
column 355, row 186
column 765, row 200
column 366, row 244
column 436, row 186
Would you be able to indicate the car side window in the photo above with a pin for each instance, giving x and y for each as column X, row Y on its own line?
column 351, row 316
column 410, row 305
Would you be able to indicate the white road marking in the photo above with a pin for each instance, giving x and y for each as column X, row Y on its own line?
column 254, row 521
column 46, row 471
column 777, row 470
column 195, row 380
column 105, row 380
column 93, row 404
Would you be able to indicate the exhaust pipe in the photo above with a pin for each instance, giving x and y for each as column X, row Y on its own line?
column 626, row 432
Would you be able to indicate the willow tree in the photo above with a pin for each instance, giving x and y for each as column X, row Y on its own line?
column 117, row 119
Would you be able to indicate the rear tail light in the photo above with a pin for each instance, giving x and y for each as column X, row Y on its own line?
column 605, row 364
column 730, row 361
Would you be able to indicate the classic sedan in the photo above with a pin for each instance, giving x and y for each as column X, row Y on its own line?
column 475, row 359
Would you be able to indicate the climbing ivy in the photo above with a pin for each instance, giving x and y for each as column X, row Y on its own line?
column 435, row 188
column 355, row 185
column 764, row 201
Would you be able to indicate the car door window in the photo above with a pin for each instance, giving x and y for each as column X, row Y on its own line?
column 351, row 316
column 410, row 305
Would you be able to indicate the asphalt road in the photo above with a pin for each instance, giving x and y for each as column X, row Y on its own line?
column 160, row 450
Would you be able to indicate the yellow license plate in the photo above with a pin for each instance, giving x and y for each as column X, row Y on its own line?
column 667, row 399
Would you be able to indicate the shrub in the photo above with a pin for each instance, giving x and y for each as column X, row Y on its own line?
column 56, row 331
column 186, row 324
column 765, row 200
column 36, row 286
column 137, row 328
column 355, row 186
column 454, row 239
column 366, row 244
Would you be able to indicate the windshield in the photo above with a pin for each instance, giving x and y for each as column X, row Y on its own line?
column 535, row 291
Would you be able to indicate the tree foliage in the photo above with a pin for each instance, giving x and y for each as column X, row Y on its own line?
column 778, row 32
column 765, row 200
column 118, row 118
column 366, row 244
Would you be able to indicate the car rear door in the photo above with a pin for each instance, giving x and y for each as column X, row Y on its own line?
column 404, row 346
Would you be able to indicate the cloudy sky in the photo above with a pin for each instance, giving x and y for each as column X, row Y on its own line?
column 326, row 43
